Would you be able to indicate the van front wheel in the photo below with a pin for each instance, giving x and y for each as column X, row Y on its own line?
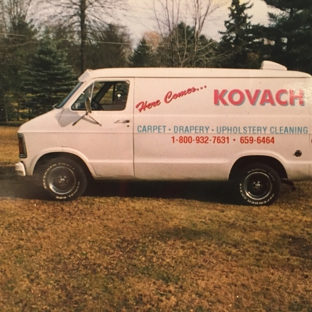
column 64, row 179
column 258, row 184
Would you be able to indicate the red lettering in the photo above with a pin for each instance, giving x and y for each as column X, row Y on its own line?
column 168, row 97
column 174, row 96
column 267, row 98
column 279, row 95
column 293, row 97
column 142, row 106
column 238, row 97
column 219, row 97
column 253, row 98
column 241, row 97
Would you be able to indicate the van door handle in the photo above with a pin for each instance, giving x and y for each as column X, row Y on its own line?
column 123, row 121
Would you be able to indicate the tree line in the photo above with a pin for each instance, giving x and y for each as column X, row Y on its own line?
column 40, row 60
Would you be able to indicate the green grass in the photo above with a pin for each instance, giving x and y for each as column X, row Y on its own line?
column 148, row 247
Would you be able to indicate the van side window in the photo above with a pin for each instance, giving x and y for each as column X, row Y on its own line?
column 107, row 96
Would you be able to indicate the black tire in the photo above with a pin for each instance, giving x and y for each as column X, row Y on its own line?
column 258, row 184
column 63, row 179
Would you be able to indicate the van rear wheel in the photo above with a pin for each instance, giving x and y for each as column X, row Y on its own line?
column 63, row 179
column 258, row 184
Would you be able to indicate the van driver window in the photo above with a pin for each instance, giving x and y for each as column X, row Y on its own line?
column 104, row 95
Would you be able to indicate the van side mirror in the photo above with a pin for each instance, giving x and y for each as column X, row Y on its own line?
column 88, row 111
column 88, row 105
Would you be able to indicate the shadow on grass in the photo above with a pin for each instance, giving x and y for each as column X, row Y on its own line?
column 220, row 192
column 26, row 188
column 12, row 186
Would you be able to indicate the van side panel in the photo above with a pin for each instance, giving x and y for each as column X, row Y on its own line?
column 197, row 128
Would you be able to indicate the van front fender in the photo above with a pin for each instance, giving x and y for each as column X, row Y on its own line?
column 53, row 153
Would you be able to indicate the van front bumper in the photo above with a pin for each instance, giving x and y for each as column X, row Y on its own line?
column 20, row 169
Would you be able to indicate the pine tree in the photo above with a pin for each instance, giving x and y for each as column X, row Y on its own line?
column 235, row 45
column 290, row 32
column 109, row 46
column 46, row 79
column 143, row 55
column 19, row 42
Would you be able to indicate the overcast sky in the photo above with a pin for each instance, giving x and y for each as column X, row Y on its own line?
column 139, row 18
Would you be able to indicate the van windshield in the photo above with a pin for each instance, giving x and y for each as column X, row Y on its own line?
column 60, row 105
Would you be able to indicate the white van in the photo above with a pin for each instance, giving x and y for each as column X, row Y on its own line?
column 249, row 126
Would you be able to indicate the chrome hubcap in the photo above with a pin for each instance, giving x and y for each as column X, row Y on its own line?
column 257, row 185
column 62, row 180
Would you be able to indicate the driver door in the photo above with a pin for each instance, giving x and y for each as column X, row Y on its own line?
column 98, row 127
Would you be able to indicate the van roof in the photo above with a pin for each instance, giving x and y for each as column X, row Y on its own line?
column 268, row 70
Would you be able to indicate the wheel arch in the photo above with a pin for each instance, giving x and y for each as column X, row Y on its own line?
column 267, row 160
column 47, row 157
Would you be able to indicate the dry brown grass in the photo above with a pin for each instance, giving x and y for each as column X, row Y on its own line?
column 8, row 149
column 151, row 247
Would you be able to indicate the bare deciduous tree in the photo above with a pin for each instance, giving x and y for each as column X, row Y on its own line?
column 83, row 15
column 17, row 7
column 201, row 9
column 194, row 13
column 11, row 10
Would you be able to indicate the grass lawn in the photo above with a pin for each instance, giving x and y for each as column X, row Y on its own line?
column 151, row 247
